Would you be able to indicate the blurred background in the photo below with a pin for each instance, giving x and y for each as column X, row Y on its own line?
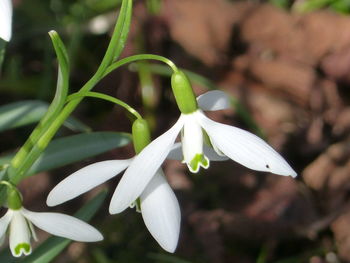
column 286, row 65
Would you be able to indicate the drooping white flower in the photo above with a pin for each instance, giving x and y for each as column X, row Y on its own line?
column 159, row 207
column 20, row 224
column 5, row 19
column 237, row 144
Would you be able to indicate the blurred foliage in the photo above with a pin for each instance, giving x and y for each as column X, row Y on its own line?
column 303, row 6
column 31, row 52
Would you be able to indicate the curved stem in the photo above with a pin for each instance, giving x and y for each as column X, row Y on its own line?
column 107, row 98
column 24, row 159
column 137, row 58
column 8, row 184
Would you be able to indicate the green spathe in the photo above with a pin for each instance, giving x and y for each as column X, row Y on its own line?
column 140, row 134
column 183, row 92
column 141, row 138
column 14, row 200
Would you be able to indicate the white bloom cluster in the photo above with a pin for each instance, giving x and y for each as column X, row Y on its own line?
column 144, row 178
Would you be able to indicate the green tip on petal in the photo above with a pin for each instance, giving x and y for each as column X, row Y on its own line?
column 137, row 205
column 23, row 247
column 199, row 160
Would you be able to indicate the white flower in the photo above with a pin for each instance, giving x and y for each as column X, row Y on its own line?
column 159, row 207
column 5, row 19
column 237, row 144
column 20, row 223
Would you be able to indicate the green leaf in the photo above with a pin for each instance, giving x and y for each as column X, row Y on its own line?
column 48, row 250
column 62, row 79
column 21, row 113
column 75, row 148
column 76, row 125
column 119, row 37
column 122, row 27
column 18, row 114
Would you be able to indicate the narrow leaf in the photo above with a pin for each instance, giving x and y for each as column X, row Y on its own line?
column 18, row 114
column 62, row 79
column 21, row 113
column 122, row 27
column 75, row 148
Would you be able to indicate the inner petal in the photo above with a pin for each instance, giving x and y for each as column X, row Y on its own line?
column 192, row 144
column 19, row 235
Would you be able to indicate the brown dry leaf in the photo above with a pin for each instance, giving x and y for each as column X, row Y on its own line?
column 306, row 39
column 342, row 122
column 295, row 79
column 331, row 170
column 276, row 117
column 337, row 65
column 203, row 27
column 272, row 201
column 341, row 230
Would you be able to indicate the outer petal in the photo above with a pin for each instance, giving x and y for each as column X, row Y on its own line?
column 161, row 212
column 84, row 180
column 214, row 100
column 142, row 169
column 4, row 222
column 19, row 235
column 5, row 19
column 176, row 153
column 64, row 226
column 245, row 148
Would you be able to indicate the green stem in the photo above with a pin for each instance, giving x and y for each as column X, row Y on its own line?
column 138, row 58
column 33, row 147
column 46, row 137
column 8, row 184
column 107, row 98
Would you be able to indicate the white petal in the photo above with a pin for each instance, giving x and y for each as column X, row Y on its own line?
column 5, row 19
column 32, row 231
column 214, row 100
column 84, row 180
column 245, row 148
column 4, row 222
column 161, row 212
column 19, row 235
column 192, row 143
column 64, row 226
column 142, row 169
column 176, row 153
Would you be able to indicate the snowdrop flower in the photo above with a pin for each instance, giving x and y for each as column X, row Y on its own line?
column 237, row 144
column 158, row 204
column 5, row 19
column 20, row 223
